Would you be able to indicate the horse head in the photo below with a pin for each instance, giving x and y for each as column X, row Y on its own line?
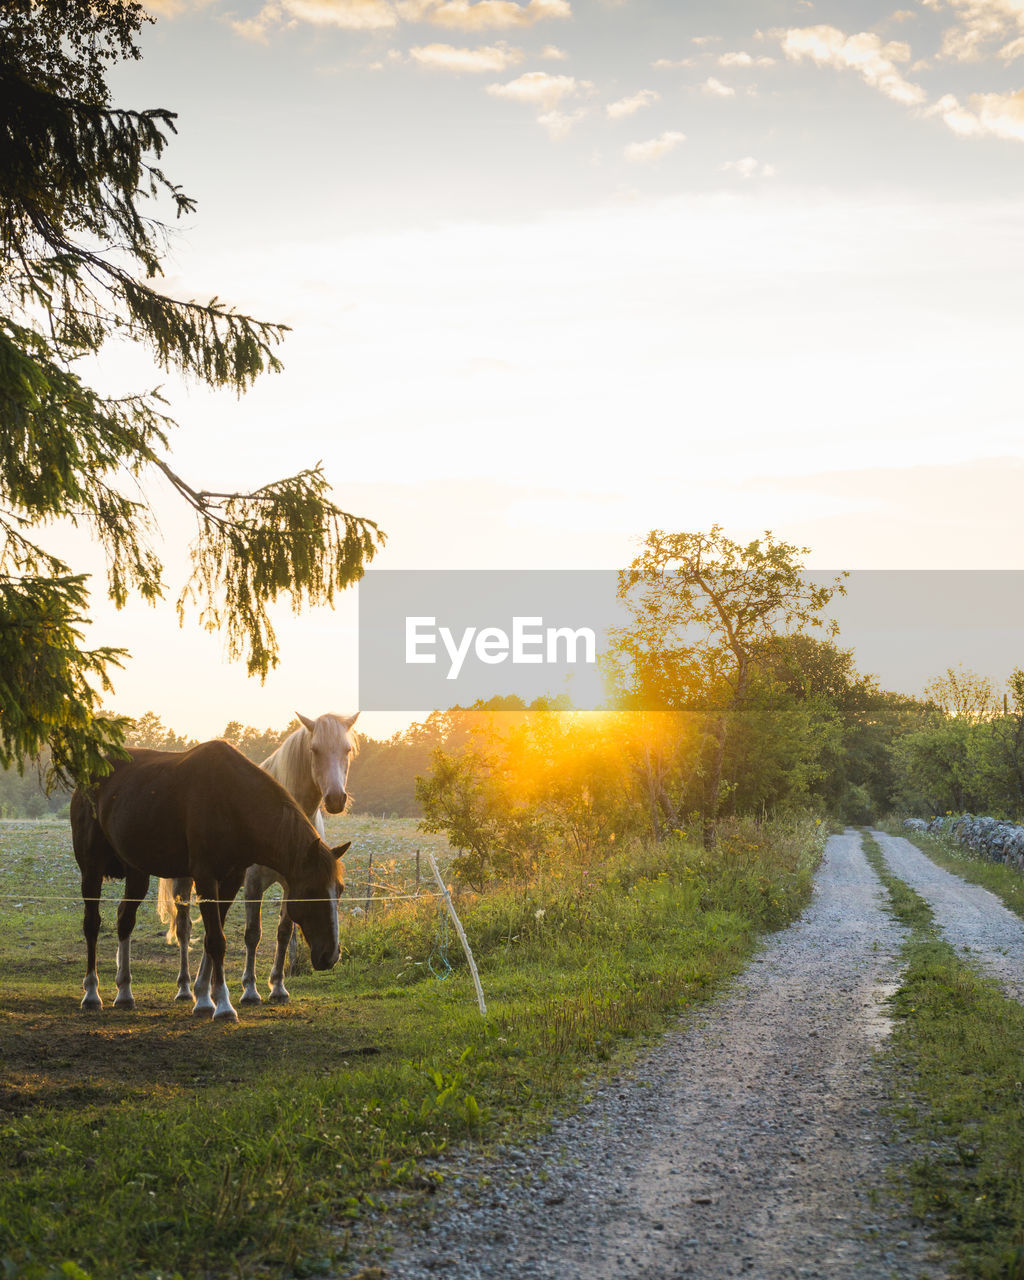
column 314, row 890
column 331, row 746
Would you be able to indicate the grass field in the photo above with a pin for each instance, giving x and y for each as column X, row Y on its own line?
column 145, row 1144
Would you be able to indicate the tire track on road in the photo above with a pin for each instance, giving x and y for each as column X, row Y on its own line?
column 974, row 921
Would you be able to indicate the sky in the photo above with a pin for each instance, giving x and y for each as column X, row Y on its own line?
column 559, row 272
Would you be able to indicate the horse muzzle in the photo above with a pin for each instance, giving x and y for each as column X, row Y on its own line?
column 324, row 957
column 335, row 801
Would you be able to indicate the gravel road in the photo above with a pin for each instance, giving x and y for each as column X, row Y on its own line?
column 745, row 1144
column 973, row 920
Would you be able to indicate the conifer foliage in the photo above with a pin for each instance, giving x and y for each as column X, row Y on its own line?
column 80, row 192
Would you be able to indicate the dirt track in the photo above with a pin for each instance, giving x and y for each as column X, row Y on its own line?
column 745, row 1144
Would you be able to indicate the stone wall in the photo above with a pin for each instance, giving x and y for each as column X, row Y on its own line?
column 989, row 837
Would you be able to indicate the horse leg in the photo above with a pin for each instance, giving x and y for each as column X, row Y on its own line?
column 183, row 932
column 136, row 886
column 203, row 1006
column 212, row 996
column 278, row 991
column 253, row 891
column 92, row 887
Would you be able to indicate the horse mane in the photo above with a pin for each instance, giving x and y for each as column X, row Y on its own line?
column 293, row 826
column 290, row 762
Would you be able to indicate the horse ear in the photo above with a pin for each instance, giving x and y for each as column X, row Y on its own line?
column 349, row 721
column 307, row 723
column 342, row 849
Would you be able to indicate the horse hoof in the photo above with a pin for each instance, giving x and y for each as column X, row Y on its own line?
column 202, row 1011
column 279, row 996
column 92, row 1004
column 226, row 1015
column 251, row 997
column 183, row 995
column 124, row 1004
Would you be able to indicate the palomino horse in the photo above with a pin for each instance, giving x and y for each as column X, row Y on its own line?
column 203, row 814
column 312, row 764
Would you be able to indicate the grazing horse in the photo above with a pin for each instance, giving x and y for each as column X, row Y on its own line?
column 204, row 814
column 312, row 764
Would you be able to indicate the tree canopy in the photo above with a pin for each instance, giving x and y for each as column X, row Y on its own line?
column 705, row 612
column 81, row 194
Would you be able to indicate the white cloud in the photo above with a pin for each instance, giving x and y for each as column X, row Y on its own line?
column 560, row 123
column 630, row 106
column 381, row 15
column 958, row 118
column 547, row 93
column 445, row 57
column 673, row 64
column 998, row 115
column 865, row 53
column 251, row 28
column 483, row 15
column 748, row 167
column 982, row 24
column 551, row 53
column 539, row 89
column 351, row 15
column 654, row 149
column 741, row 58
column 717, row 89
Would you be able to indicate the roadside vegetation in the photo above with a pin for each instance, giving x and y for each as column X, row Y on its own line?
column 957, row 1050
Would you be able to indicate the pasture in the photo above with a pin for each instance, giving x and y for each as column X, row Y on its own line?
column 146, row 1144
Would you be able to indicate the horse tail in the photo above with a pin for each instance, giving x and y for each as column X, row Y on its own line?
column 167, row 909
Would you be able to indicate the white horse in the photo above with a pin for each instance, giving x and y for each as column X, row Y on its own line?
column 312, row 763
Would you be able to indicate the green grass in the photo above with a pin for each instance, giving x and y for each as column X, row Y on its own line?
column 958, row 1055
column 145, row 1145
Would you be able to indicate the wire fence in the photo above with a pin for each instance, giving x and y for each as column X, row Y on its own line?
column 376, row 892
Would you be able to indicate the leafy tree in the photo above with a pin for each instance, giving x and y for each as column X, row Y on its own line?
column 963, row 695
column 150, row 731
column 855, row 757
column 256, row 744
column 936, row 767
column 965, row 755
column 81, row 194
column 1008, row 747
column 704, row 609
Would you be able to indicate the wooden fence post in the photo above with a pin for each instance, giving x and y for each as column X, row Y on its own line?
column 369, row 882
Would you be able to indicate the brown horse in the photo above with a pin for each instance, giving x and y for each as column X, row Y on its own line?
column 207, row 813
column 312, row 764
